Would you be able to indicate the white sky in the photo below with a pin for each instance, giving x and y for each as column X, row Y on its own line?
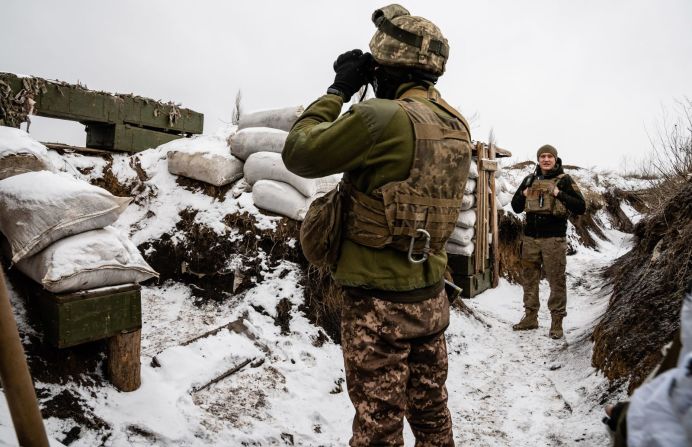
column 589, row 77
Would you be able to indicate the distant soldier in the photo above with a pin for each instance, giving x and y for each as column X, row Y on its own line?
column 547, row 196
column 406, row 158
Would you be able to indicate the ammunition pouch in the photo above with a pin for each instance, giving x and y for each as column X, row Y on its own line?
column 540, row 198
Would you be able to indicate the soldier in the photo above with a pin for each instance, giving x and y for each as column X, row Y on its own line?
column 406, row 156
column 547, row 196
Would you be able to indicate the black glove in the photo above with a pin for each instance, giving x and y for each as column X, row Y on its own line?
column 528, row 181
column 612, row 420
column 352, row 72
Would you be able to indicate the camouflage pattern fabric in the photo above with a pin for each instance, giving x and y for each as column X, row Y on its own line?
column 551, row 253
column 430, row 198
column 430, row 55
column 395, row 357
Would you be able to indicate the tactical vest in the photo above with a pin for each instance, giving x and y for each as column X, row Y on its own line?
column 540, row 198
column 430, row 198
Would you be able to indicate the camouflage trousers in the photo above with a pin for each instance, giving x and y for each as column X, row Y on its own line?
column 551, row 253
column 395, row 355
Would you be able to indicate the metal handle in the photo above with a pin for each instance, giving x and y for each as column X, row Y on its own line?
column 426, row 249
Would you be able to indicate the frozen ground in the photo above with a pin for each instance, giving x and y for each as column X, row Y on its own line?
column 506, row 388
column 249, row 383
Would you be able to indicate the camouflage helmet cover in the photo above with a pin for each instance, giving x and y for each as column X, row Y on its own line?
column 403, row 40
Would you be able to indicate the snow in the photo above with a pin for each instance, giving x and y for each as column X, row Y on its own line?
column 15, row 141
column 505, row 387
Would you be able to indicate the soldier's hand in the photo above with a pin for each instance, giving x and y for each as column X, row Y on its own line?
column 352, row 72
column 556, row 191
column 525, row 192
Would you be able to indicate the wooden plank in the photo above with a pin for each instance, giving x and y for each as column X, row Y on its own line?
column 487, row 164
column 493, row 219
column 83, row 150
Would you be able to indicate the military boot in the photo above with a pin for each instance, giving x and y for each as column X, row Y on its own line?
column 530, row 321
column 556, row 327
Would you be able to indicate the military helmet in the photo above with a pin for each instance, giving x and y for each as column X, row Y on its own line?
column 403, row 40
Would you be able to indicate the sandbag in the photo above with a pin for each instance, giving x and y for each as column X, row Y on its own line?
column 257, row 139
column 96, row 258
column 280, row 198
column 39, row 208
column 282, row 119
column 19, row 153
column 270, row 166
column 473, row 169
column 217, row 170
column 456, row 249
column 468, row 201
column 462, row 236
column 467, row 219
column 470, row 186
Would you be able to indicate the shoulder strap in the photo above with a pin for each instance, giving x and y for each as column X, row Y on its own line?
column 433, row 95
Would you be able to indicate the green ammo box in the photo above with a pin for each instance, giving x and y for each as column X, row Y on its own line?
column 463, row 265
column 472, row 285
column 79, row 317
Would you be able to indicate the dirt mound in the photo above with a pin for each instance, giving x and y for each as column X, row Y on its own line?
column 648, row 286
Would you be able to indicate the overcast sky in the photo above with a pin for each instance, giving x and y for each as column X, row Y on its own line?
column 589, row 77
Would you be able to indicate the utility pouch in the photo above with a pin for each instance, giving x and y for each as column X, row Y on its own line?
column 321, row 230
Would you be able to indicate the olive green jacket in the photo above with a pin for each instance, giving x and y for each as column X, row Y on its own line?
column 374, row 142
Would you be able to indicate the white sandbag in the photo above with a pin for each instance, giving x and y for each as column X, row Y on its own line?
column 473, row 169
column 270, row 166
column 504, row 198
column 502, row 185
column 456, row 249
column 470, row 186
column 280, row 198
column 96, row 258
column 39, row 208
column 276, row 118
column 326, row 184
column 217, row 170
column 467, row 219
column 462, row 236
column 19, row 153
column 468, row 201
column 257, row 139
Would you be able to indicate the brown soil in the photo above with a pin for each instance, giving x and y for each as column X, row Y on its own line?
column 648, row 285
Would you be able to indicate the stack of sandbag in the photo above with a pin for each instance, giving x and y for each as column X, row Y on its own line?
column 19, row 153
column 54, row 225
column 461, row 242
column 259, row 141
column 263, row 131
column 204, row 158
column 276, row 189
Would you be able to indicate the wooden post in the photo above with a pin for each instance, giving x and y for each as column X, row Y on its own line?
column 123, row 360
column 493, row 217
column 16, row 380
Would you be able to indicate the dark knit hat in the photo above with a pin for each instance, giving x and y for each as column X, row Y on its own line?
column 546, row 148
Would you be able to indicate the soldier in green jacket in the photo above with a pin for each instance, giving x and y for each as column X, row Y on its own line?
column 405, row 155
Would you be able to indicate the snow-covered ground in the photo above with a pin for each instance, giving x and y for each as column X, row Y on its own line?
column 249, row 384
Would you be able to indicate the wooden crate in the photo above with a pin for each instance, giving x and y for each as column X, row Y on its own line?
column 472, row 285
column 463, row 265
column 74, row 318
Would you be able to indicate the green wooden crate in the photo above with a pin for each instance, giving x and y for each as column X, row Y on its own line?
column 472, row 285
column 463, row 265
column 79, row 317
column 114, row 122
